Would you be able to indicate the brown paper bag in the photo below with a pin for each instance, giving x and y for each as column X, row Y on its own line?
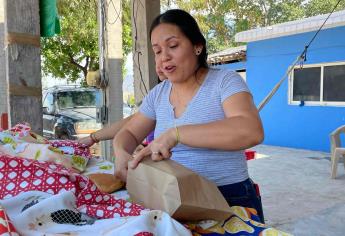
column 171, row 187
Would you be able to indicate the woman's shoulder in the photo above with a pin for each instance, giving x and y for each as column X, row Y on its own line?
column 219, row 76
column 157, row 93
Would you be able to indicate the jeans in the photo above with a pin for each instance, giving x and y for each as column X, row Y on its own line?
column 243, row 194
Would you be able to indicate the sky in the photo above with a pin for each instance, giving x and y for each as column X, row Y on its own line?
column 128, row 78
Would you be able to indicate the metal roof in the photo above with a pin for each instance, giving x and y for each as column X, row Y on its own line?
column 292, row 27
column 227, row 55
column 59, row 88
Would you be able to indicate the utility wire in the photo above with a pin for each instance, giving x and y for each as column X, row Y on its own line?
column 136, row 52
column 301, row 58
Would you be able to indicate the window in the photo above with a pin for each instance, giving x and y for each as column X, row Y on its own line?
column 73, row 99
column 48, row 102
column 318, row 85
column 334, row 83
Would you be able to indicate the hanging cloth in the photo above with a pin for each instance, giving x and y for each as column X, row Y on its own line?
column 49, row 18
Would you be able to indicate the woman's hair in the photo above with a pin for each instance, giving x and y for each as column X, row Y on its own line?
column 188, row 26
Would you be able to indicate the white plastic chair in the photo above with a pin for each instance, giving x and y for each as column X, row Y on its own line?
column 337, row 151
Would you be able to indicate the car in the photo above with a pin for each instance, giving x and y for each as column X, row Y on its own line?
column 69, row 112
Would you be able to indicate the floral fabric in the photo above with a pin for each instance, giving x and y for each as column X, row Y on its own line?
column 40, row 196
column 20, row 141
column 19, row 175
column 243, row 221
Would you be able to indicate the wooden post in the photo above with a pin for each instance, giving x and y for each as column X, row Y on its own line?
column 145, row 78
column 23, row 63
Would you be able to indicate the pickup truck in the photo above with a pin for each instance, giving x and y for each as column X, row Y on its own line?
column 69, row 112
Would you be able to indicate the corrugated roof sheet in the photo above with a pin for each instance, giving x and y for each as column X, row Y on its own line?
column 292, row 27
column 227, row 55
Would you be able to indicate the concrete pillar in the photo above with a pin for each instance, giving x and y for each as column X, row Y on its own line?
column 23, row 63
column 3, row 82
column 145, row 78
column 113, row 67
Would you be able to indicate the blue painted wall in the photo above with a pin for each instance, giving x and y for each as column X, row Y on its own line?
column 306, row 127
column 234, row 66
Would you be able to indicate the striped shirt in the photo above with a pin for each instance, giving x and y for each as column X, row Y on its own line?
column 221, row 167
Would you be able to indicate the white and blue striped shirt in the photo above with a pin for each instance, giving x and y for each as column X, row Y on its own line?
column 221, row 167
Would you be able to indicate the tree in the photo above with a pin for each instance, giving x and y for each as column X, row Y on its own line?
column 214, row 18
column 75, row 50
column 220, row 20
column 317, row 7
column 260, row 13
column 126, row 27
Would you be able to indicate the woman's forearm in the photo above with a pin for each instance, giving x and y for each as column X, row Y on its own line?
column 124, row 141
column 235, row 133
column 124, row 145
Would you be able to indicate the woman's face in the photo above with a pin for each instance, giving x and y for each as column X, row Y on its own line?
column 174, row 53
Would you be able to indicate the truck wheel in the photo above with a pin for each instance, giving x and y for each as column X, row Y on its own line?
column 64, row 136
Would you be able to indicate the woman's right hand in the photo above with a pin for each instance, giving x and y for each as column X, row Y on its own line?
column 159, row 149
column 86, row 141
column 138, row 149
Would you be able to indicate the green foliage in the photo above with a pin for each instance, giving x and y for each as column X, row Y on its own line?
column 126, row 32
column 75, row 50
column 220, row 20
column 126, row 27
column 267, row 12
column 317, row 7
column 131, row 101
column 214, row 19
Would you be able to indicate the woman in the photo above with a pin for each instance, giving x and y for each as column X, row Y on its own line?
column 203, row 118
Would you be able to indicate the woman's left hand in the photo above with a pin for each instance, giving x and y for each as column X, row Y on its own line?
column 159, row 148
column 86, row 141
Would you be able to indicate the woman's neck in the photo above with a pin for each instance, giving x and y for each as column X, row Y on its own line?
column 182, row 93
column 195, row 80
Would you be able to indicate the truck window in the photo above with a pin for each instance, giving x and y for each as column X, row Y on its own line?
column 70, row 99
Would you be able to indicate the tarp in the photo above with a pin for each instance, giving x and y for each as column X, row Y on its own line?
column 49, row 18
